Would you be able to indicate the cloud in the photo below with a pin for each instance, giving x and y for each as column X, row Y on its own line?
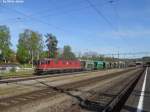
column 126, row 34
column 133, row 34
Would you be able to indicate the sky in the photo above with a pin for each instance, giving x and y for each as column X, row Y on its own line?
column 103, row 26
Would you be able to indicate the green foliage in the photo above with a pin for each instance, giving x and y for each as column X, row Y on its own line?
column 51, row 43
column 26, row 65
column 13, row 70
column 1, row 57
column 30, row 45
column 44, row 54
column 35, row 43
column 17, row 74
column 12, row 56
column 67, row 53
column 5, row 42
column 22, row 53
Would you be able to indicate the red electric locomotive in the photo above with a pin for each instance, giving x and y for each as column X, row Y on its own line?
column 57, row 65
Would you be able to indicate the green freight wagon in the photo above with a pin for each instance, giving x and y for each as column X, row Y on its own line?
column 98, row 65
column 87, row 64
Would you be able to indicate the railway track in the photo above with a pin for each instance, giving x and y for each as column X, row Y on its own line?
column 50, row 91
column 26, row 78
column 111, row 99
column 11, row 80
column 118, row 101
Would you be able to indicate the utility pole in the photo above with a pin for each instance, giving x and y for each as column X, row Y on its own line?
column 32, row 58
column 118, row 60
column 124, row 61
column 112, row 57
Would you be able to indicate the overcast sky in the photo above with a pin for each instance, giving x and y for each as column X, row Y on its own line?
column 122, row 25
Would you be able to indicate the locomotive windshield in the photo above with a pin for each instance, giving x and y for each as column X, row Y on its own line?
column 40, row 62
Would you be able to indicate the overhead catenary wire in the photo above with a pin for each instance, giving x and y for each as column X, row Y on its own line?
column 101, row 14
column 36, row 19
column 65, row 11
column 57, row 27
column 43, row 22
column 48, row 11
column 51, row 25
column 114, row 4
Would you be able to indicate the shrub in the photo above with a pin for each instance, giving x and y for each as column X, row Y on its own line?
column 13, row 69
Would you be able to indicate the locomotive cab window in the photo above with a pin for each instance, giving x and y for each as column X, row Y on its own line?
column 48, row 62
column 42, row 62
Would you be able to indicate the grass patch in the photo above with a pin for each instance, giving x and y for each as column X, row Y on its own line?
column 26, row 66
column 14, row 73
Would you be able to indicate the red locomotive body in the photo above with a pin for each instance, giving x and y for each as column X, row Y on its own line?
column 54, row 65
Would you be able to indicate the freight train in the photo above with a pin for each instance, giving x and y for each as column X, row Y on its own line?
column 46, row 65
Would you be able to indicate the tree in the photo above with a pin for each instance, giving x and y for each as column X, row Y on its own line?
column 30, row 46
column 5, row 42
column 22, row 47
column 12, row 57
column 35, row 45
column 67, row 53
column 43, row 54
column 51, row 43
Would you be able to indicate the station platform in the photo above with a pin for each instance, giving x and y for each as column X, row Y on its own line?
column 139, row 100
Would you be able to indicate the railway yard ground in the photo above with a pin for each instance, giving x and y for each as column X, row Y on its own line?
column 15, row 74
column 78, row 92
